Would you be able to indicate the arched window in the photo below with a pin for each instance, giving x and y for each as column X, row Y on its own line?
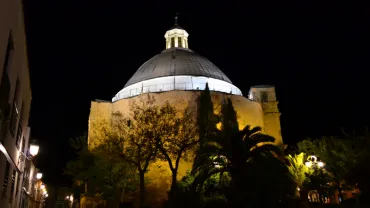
column 264, row 97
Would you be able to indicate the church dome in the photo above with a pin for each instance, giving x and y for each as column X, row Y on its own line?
column 174, row 62
column 176, row 68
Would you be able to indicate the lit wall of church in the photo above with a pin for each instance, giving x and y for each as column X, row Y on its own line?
column 249, row 113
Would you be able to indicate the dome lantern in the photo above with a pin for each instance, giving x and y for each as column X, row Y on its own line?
column 176, row 37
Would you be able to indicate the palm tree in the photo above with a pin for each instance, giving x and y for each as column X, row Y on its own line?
column 234, row 151
column 300, row 173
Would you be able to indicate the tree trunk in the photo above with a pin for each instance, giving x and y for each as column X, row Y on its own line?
column 220, row 180
column 122, row 195
column 173, row 191
column 303, row 195
column 174, row 180
column 142, row 189
column 321, row 198
column 340, row 195
column 238, row 190
column 116, row 199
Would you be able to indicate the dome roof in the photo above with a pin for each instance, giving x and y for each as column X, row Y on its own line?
column 176, row 68
column 174, row 62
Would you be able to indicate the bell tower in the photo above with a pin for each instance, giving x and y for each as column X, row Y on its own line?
column 266, row 96
column 176, row 37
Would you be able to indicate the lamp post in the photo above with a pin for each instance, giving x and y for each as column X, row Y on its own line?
column 313, row 163
column 43, row 194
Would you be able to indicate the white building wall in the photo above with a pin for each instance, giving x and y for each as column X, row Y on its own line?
column 12, row 22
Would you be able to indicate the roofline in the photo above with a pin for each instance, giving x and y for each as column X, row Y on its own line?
column 102, row 101
column 263, row 86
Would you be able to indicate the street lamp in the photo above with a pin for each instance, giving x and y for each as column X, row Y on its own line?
column 313, row 163
column 320, row 164
column 34, row 149
column 39, row 176
column 308, row 164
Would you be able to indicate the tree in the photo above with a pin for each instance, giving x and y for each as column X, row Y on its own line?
column 206, row 118
column 135, row 138
column 177, row 134
column 360, row 171
column 207, row 130
column 151, row 133
column 309, row 178
column 105, row 175
column 335, row 152
column 321, row 181
column 237, row 151
column 300, row 173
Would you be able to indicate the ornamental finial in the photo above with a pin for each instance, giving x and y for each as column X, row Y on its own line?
column 176, row 19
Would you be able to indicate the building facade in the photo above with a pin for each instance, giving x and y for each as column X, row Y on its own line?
column 178, row 75
column 15, row 102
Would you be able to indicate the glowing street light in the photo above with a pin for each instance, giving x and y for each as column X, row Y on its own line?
column 312, row 161
column 312, row 158
column 39, row 176
column 34, row 149
column 42, row 186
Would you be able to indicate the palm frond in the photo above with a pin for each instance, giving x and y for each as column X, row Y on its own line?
column 256, row 139
column 247, row 131
column 266, row 149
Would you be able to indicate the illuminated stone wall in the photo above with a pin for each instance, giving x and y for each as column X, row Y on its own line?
column 249, row 113
column 266, row 96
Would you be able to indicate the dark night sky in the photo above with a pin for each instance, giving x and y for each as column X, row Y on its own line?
column 317, row 56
